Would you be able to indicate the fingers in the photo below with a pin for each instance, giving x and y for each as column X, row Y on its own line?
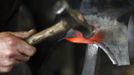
column 11, row 57
column 5, row 69
column 27, row 50
column 14, row 50
column 6, row 64
column 19, row 58
column 13, row 43
column 25, row 34
column 7, row 61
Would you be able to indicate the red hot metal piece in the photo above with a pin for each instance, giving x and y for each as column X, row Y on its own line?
column 79, row 38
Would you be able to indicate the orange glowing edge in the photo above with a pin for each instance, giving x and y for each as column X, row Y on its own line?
column 79, row 38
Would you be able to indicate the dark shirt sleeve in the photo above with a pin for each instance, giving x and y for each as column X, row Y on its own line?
column 7, row 10
column 41, row 10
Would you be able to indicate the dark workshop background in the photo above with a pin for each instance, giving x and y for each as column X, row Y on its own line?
column 65, row 58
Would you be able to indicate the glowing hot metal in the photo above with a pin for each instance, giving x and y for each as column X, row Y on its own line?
column 79, row 38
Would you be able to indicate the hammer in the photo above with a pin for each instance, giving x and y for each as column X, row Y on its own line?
column 71, row 18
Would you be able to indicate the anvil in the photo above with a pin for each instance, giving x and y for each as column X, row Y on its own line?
column 115, row 42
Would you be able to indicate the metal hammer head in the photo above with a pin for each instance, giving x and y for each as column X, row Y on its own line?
column 74, row 18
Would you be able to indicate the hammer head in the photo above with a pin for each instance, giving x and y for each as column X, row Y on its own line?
column 73, row 17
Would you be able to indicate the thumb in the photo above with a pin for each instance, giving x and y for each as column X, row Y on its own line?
column 24, row 34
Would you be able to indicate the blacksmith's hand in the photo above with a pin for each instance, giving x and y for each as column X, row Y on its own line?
column 14, row 50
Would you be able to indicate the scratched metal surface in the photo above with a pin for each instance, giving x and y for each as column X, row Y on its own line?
column 90, row 59
column 115, row 37
column 115, row 33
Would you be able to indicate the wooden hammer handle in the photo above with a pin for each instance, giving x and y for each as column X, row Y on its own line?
column 60, row 27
